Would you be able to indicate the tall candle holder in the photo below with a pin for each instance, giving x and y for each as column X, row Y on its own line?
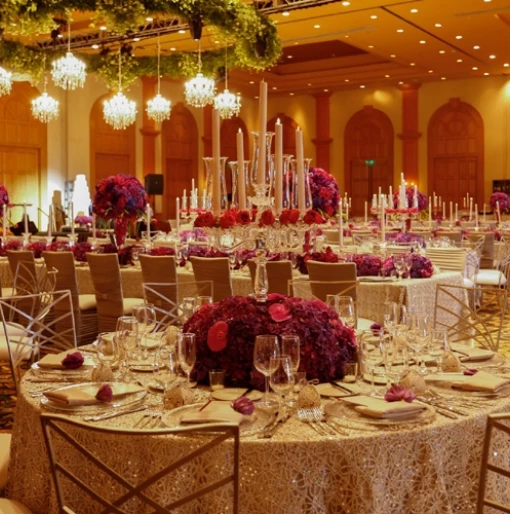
column 26, row 239
column 234, row 168
column 268, row 179
column 294, row 189
column 209, row 180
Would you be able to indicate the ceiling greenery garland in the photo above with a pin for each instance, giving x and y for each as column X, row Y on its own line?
column 251, row 36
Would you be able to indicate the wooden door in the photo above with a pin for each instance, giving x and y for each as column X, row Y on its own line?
column 455, row 152
column 368, row 141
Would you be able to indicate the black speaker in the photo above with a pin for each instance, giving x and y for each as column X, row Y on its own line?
column 154, row 184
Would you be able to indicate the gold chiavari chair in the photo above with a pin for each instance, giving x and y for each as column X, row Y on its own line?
column 278, row 275
column 217, row 270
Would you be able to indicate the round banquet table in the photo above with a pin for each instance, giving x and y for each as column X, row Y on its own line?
column 430, row 467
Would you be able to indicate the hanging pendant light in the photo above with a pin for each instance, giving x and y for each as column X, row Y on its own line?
column 119, row 112
column 227, row 103
column 5, row 81
column 68, row 72
column 45, row 108
column 199, row 91
column 158, row 109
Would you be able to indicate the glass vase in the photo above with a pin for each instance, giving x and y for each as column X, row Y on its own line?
column 287, row 181
column 294, row 184
column 236, row 190
column 209, row 182
column 268, row 180
column 120, row 230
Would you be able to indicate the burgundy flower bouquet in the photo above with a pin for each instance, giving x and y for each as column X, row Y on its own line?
column 83, row 220
column 405, row 237
column 37, row 248
column 423, row 201
column 80, row 251
column 421, row 267
column 10, row 245
column 327, row 256
column 367, row 265
column 504, row 202
column 120, row 198
column 161, row 250
column 325, row 342
column 324, row 191
column 4, row 196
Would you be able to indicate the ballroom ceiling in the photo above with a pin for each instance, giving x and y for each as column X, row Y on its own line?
column 335, row 44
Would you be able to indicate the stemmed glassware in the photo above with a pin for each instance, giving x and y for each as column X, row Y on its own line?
column 107, row 354
column 369, row 343
column 202, row 300
column 438, row 346
column 399, row 266
column 394, row 352
column 127, row 337
column 232, row 260
column 282, row 377
column 266, row 348
column 145, row 314
column 187, row 352
column 344, row 306
column 291, row 348
column 418, row 339
column 188, row 308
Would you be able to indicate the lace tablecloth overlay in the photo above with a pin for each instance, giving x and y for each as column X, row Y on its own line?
column 431, row 467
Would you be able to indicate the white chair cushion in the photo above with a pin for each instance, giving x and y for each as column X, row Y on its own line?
column 5, row 449
column 12, row 507
column 364, row 324
column 489, row 277
column 129, row 303
column 87, row 302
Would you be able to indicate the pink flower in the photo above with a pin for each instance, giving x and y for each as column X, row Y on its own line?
column 279, row 312
column 267, row 218
column 470, row 372
column 243, row 405
column 104, row 394
column 217, row 336
column 397, row 392
column 73, row 360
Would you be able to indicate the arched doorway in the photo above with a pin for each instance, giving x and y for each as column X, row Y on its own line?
column 23, row 153
column 288, row 133
column 228, row 141
column 455, row 152
column 368, row 164
column 179, row 137
column 111, row 151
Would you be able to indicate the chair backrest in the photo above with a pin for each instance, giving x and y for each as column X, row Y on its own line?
column 24, row 273
column 494, row 470
column 453, row 311
column 487, row 258
column 278, row 275
column 46, row 325
column 158, row 268
column 323, row 276
column 396, row 249
column 216, row 269
column 359, row 237
column 448, row 259
column 105, row 275
column 173, row 468
column 319, row 290
column 455, row 236
column 63, row 262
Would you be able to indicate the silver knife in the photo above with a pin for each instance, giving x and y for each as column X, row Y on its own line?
column 269, row 431
column 109, row 415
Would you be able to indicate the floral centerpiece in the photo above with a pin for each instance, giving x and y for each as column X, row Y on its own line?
column 324, row 192
column 80, row 251
column 15, row 244
column 504, row 202
column 83, row 221
column 37, row 248
column 405, row 237
column 4, row 196
column 420, row 266
column 367, row 265
column 120, row 198
column 423, row 201
column 327, row 256
column 161, row 251
column 226, row 330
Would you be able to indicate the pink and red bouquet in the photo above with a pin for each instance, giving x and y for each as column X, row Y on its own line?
column 405, row 237
column 504, row 202
column 420, row 266
column 205, row 220
column 80, row 251
column 327, row 256
column 120, row 196
column 4, row 196
column 267, row 218
column 58, row 246
column 289, row 216
column 233, row 323
column 161, row 250
column 367, row 265
column 83, row 220
column 37, row 248
column 423, row 201
column 243, row 217
column 324, row 191
column 312, row 217
column 195, row 234
column 15, row 244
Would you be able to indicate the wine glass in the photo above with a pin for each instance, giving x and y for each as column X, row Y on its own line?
column 438, row 345
column 291, row 348
column 369, row 343
column 107, row 351
column 187, row 352
column 394, row 357
column 344, row 306
column 127, row 336
column 418, row 339
column 188, row 308
column 391, row 315
column 145, row 314
column 266, row 346
column 232, row 260
column 398, row 262
column 282, row 378
column 202, row 300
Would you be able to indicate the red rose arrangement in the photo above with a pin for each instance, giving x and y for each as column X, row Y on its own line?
column 312, row 217
column 267, row 218
column 289, row 216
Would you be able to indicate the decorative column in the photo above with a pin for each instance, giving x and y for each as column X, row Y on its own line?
column 322, row 142
column 148, row 130
column 410, row 135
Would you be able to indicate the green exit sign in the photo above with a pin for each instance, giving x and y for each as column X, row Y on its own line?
column 370, row 162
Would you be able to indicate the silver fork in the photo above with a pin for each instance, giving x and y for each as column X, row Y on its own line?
column 308, row 416
column 147, row 419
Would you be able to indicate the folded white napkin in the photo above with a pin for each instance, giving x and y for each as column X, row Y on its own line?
column 86, row 395
column 482, row 381
column 472, row 354
column 54, row 360
column 213, row 412
column 375, row 408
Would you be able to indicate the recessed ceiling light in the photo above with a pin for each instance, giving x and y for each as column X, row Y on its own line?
column 412, row 64
column 252, row 82
column 257, row 97
column 316, row 26
column 290, row 56
column 310, row 84
column 173, row 49
column 291, row 94
column 181, row 31
column 274, row 88
column 414, row 10
column 459, row 60
column 102, row 27
column 458, row 37
column 285, row 13
column 476, row 47
column 487, row 1
column 442, row 51
column 431, row 71
column 296, row 43
column 387, row 76
column 438, row 25
column 373, row 17
column 443, row 78
column 492, row 56
column 326, row 90
column 370, row 46
column 216, row 42
column 400, row 82
column 422, row 42
column 95, row 47
column 393, row 56
column 346, row 80
column 60, row 36
column 486, row 73
column 506, row 65
column 362, row 86
column 149, row 19
column 346, row 4
column 400, row 30
column 474, row 68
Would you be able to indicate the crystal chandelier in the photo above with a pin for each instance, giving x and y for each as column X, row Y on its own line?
column 5, row 81
column 45, row 108
column 68, row 72
column 227, row 103
column 199, row 91
column 158, row 109
column 119, row 112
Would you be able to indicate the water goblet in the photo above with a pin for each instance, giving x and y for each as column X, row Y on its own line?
column 398, row 262
column 266, row 347
column 232, row 260
column 187, row 352
column 145, row 314
column 202, row 300
column 188, row 308
column 391, row 315
column 394, row 357
column 438, row 346
column 282, row 378
column 291, row 348
column 107, row 352
column 127, row 336
column 369, row 344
